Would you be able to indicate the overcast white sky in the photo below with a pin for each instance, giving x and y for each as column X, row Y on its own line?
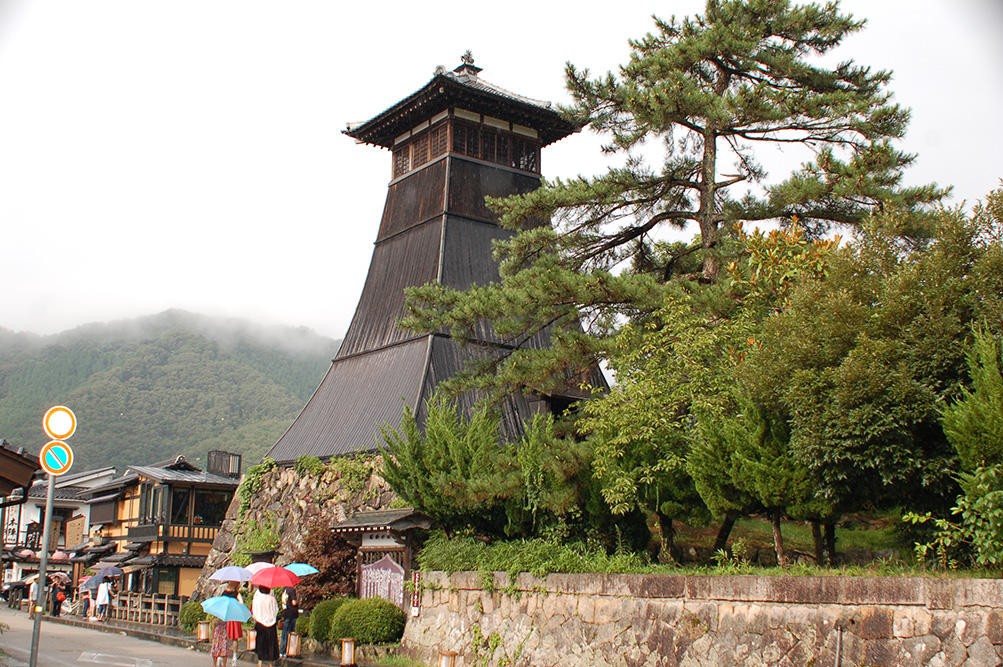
column 188, row 154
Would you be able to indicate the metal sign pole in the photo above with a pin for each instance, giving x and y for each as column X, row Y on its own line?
column 42, row 589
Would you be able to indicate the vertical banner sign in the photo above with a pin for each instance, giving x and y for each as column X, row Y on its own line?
column 415, row 592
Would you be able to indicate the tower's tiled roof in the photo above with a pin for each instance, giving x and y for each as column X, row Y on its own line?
column 462, row 87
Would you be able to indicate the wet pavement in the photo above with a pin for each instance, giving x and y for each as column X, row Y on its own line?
column 69, row 640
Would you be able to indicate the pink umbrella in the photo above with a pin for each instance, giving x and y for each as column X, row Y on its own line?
column 254, row 567
column 274, row 577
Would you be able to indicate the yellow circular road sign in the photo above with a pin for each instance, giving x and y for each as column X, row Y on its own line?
column 56, row 457
column 59, row 422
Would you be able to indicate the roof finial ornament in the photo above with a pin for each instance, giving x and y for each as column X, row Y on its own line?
column 467, row 66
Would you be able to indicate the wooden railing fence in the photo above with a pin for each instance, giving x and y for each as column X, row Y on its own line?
column 159, row 610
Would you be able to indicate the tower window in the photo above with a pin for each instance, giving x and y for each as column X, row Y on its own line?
column 491, row 144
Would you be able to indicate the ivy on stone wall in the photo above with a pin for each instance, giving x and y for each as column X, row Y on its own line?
column 252, row 483
column 261, row 535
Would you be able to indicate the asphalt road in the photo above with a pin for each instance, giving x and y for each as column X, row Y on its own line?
column 68, row 646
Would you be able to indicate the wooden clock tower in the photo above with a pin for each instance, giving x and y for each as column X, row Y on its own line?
column 455, row 141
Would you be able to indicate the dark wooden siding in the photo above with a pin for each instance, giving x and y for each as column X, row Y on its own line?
column 447, row 359
column 470, row 182
column 402, row 261
column 357, row 395
column 414, row 199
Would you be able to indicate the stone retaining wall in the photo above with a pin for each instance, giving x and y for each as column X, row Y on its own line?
column 293, row 504
column 699, row 621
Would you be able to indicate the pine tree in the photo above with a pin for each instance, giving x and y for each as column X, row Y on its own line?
column 974, row 423
column 706, row 91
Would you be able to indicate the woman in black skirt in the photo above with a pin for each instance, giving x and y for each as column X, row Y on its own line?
column 265, row 610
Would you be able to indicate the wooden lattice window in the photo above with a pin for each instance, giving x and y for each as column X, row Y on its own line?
column 524, row 155
column 402, row 160
column 473, row 142
column 438, row 138
column 488, row 146
column 419, row 150
column 501, row 150
column 460, row 138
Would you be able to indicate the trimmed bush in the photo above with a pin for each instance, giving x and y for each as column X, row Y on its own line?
column 191, row 615
column 320, row 618
column 303, row 625
column 369, row 621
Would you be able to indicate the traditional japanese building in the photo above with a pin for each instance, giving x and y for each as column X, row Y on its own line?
column 158, row 522
column 453, row 142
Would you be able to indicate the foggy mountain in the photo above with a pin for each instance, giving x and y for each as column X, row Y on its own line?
column 147, row 389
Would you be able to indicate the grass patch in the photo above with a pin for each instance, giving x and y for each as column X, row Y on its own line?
column 874, row 533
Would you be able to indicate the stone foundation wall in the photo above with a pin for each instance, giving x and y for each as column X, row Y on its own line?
column 294, row 504
column 699, row 621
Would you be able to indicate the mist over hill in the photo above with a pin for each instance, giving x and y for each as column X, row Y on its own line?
column 150, row 388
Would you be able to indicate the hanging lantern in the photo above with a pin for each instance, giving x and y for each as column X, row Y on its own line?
column 447, row 658
column 252, row 635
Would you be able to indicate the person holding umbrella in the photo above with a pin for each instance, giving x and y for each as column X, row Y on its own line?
column 219, row 650
column 234, row 629
column 226, row 610
column 265, row 610
column 290, row 612
column 102, row 599
column 233, row 576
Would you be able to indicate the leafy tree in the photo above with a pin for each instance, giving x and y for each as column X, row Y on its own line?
column 640, row 430
column 706, row 90
column 975, row 538
column 860, row 360
column 334, row 559
column 680, row 363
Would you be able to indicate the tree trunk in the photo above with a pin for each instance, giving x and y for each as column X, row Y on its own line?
column 778, row 538
column 830, row 542
column 819, row 546
column 724, row 532
column 707, row 215
column 667, row 553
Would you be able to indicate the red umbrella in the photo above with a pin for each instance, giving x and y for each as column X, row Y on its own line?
column 274, row 577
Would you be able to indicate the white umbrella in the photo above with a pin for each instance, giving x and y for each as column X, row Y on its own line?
column 232, row 573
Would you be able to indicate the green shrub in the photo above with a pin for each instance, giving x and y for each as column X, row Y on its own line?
column 191, row 615
column 303, row 625
column 538, row 556
column 370, row 621
column 320, row 617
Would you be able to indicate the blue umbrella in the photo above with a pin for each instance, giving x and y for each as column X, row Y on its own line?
column 227, row 609
column 231, row 573
column 301, row 569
